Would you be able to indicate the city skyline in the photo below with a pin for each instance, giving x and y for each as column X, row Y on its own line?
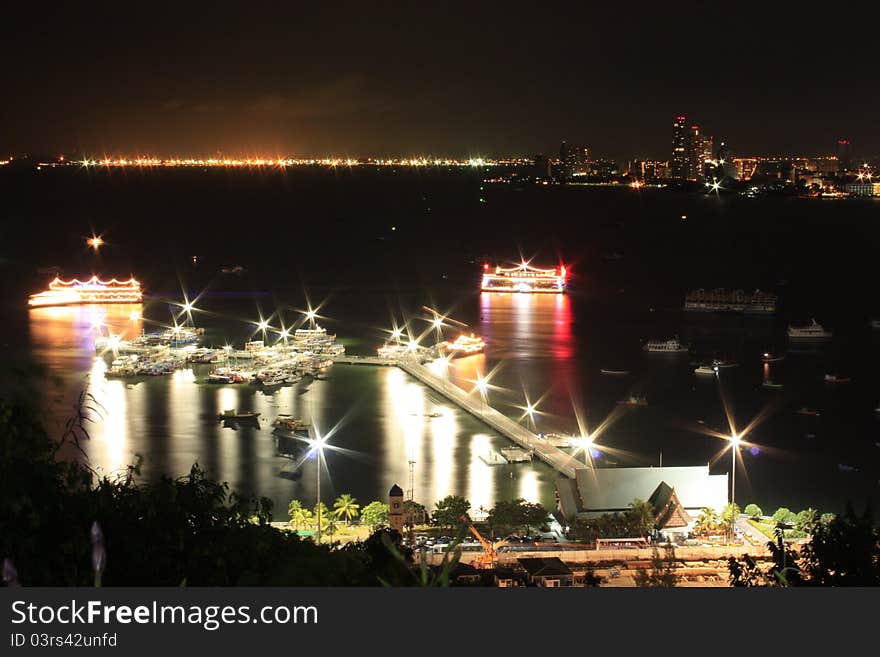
column 354, row 81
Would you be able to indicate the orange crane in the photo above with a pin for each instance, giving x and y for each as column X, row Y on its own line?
column 488, row 559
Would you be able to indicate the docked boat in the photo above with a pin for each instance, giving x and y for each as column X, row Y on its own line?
column 464, row 345
column 614, row 372
column 634, row 400
column 671, row 346
column 238, row 415
column 737, row 301
column 811, row 332
column 770, row 357
column 290, row 423
column 707, row 369
column 834, row 378
column 807, row 411
column 92, row 290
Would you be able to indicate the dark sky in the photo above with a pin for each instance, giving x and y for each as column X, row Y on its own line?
column 394, row 78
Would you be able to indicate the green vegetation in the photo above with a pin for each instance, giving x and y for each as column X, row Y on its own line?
column 510, row 516
column 375, row 515
column 753, row 511
column 844, row 551
column 636, row 521
column 449, row 510
column 662, row 571
column 346, row 507
column 784, row 515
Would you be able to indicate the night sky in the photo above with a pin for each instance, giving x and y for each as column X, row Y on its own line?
column 358, row 79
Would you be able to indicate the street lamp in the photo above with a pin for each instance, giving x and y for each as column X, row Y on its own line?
column 586, row 443
column 735, row 441
column 318, row 448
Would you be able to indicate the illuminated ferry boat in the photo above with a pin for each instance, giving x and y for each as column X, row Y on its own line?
column 464, row 345
column 671, row 346
column 523, row 278
column 811, row 332
column 93, row 290
column 720, row 300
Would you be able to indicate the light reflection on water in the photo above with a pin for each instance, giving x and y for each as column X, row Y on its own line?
column 384, row 417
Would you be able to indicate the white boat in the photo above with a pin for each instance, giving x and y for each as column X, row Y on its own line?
column 724, row 363
column 812, row 331
column 634, row 400
column 614, row 372
column 707, row 369
column 834, row 378
column 771, row 384
column 770, row 357
column 671, row 346
column 238, row 415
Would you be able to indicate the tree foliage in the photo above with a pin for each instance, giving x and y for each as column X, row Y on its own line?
column 512, row 515
column 449, row 510
column 784, row 515
column 753, row 511
column 636, row 521
column 845, row 551
column 662, row 572
column 375, row 514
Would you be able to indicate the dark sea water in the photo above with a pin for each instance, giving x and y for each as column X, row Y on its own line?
column 373, row 247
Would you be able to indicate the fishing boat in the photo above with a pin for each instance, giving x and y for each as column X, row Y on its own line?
column 238, row 415
column 807, row 411
column 724, row 363
column 707, row 369
column 810, row 333
column 770, row 357
column 634, row 400
column 614, row 372
column 834, row 378
column 671, row 346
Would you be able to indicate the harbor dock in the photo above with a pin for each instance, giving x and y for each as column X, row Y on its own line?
column 561, row 461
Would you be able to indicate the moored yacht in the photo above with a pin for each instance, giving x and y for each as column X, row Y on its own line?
column 812, row 331
column 671, row 346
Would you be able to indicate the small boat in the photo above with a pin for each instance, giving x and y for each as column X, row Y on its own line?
column 290, row 423
column 807, row 411
column 434, row 414
column 724, row 363
column 833, row 378
column 771, row 384
column 634, row 400
column 614, row 372
column 843, row 467
column 770, row 357
column 707, row 369
column 875, row 323
column 238, row 415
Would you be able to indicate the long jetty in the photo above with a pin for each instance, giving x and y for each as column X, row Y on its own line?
column 559, row 460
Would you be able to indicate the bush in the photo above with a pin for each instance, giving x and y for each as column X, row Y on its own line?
column 753, row 511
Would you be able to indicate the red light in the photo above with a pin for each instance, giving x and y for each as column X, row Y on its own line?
column 562, row 271
column 485, row 265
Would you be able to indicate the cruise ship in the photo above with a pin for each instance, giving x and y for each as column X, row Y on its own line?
column 92, row 290
column 737, row 301
column 523, row 278
column 811, row 332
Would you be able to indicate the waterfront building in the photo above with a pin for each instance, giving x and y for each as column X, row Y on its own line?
column 699, row 152
column 844, row 155
column 596, row 491
column 863, row 188
column 541, row 167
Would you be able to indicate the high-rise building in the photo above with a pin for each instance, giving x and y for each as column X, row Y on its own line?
column 573, row 160
column 699, row 151
column 679, row 161
column 844, row 155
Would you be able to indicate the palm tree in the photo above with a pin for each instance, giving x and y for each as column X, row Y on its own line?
column 331, row 526
column 294, row 513
column 346, row 507
column 707, row 522
column 301, row 518
column 728, row 519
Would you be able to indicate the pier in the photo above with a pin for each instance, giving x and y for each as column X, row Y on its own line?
column 559, row 460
